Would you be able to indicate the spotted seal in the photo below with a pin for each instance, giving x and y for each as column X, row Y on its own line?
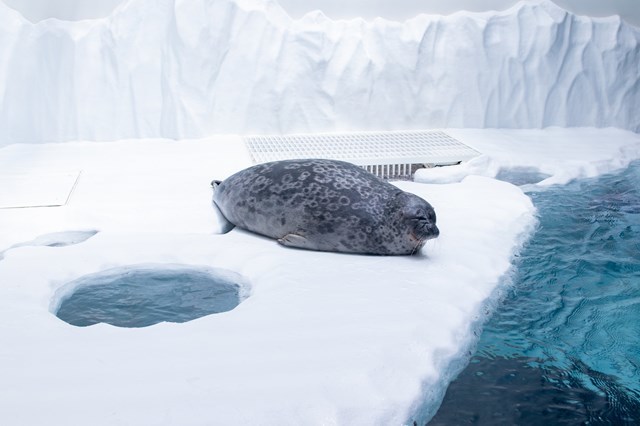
column 326, row 205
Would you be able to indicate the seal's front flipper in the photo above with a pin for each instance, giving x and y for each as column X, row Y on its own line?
column 295, row 240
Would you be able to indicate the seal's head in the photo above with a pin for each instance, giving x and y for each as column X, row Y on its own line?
column 417, row 219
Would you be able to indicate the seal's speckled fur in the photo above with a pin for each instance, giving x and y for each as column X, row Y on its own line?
column 326, row 205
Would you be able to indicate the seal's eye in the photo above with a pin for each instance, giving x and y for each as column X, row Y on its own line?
column 416, row 213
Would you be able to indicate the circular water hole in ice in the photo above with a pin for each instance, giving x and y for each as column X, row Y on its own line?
column 143, row 295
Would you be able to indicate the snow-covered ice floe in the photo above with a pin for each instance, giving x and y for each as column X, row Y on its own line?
column 320, row 338
column 540, row 157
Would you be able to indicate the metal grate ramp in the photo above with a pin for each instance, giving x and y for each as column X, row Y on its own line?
column 390, row 155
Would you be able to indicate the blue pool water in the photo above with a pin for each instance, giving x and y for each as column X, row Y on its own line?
column 139, row 297
column 563, row 347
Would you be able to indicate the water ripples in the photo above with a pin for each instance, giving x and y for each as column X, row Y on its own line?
column 570, row 325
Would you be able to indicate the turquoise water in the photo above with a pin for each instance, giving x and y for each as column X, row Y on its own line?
column 564, row 345
column 143, row 297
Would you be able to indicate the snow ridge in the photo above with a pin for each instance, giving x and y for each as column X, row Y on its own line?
column 185, row 69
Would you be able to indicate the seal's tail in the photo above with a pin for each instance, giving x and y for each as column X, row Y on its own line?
column 224, row 225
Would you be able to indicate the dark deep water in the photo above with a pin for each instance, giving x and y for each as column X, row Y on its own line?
column 563, row 347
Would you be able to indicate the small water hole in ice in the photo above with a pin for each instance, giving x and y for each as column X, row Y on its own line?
column 140, row 296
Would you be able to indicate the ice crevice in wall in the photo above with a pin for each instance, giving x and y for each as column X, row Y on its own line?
column 183, row 69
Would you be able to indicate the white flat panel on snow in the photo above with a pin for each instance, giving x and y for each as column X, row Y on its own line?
column 36, row 189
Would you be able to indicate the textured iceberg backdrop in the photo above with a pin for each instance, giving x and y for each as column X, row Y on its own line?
column 185, row 69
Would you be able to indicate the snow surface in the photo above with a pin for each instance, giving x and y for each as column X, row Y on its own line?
column 569, row 154
column 191, row 68
column 322, row 338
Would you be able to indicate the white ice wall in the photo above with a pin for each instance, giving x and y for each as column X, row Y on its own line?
column 188, row 68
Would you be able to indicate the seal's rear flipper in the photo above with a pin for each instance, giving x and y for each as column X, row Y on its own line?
column 224, row 225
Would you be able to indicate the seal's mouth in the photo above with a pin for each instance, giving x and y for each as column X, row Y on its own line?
column 423, row 234
column 425, row 231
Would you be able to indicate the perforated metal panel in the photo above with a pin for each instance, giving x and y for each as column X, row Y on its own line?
column 390, row 155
